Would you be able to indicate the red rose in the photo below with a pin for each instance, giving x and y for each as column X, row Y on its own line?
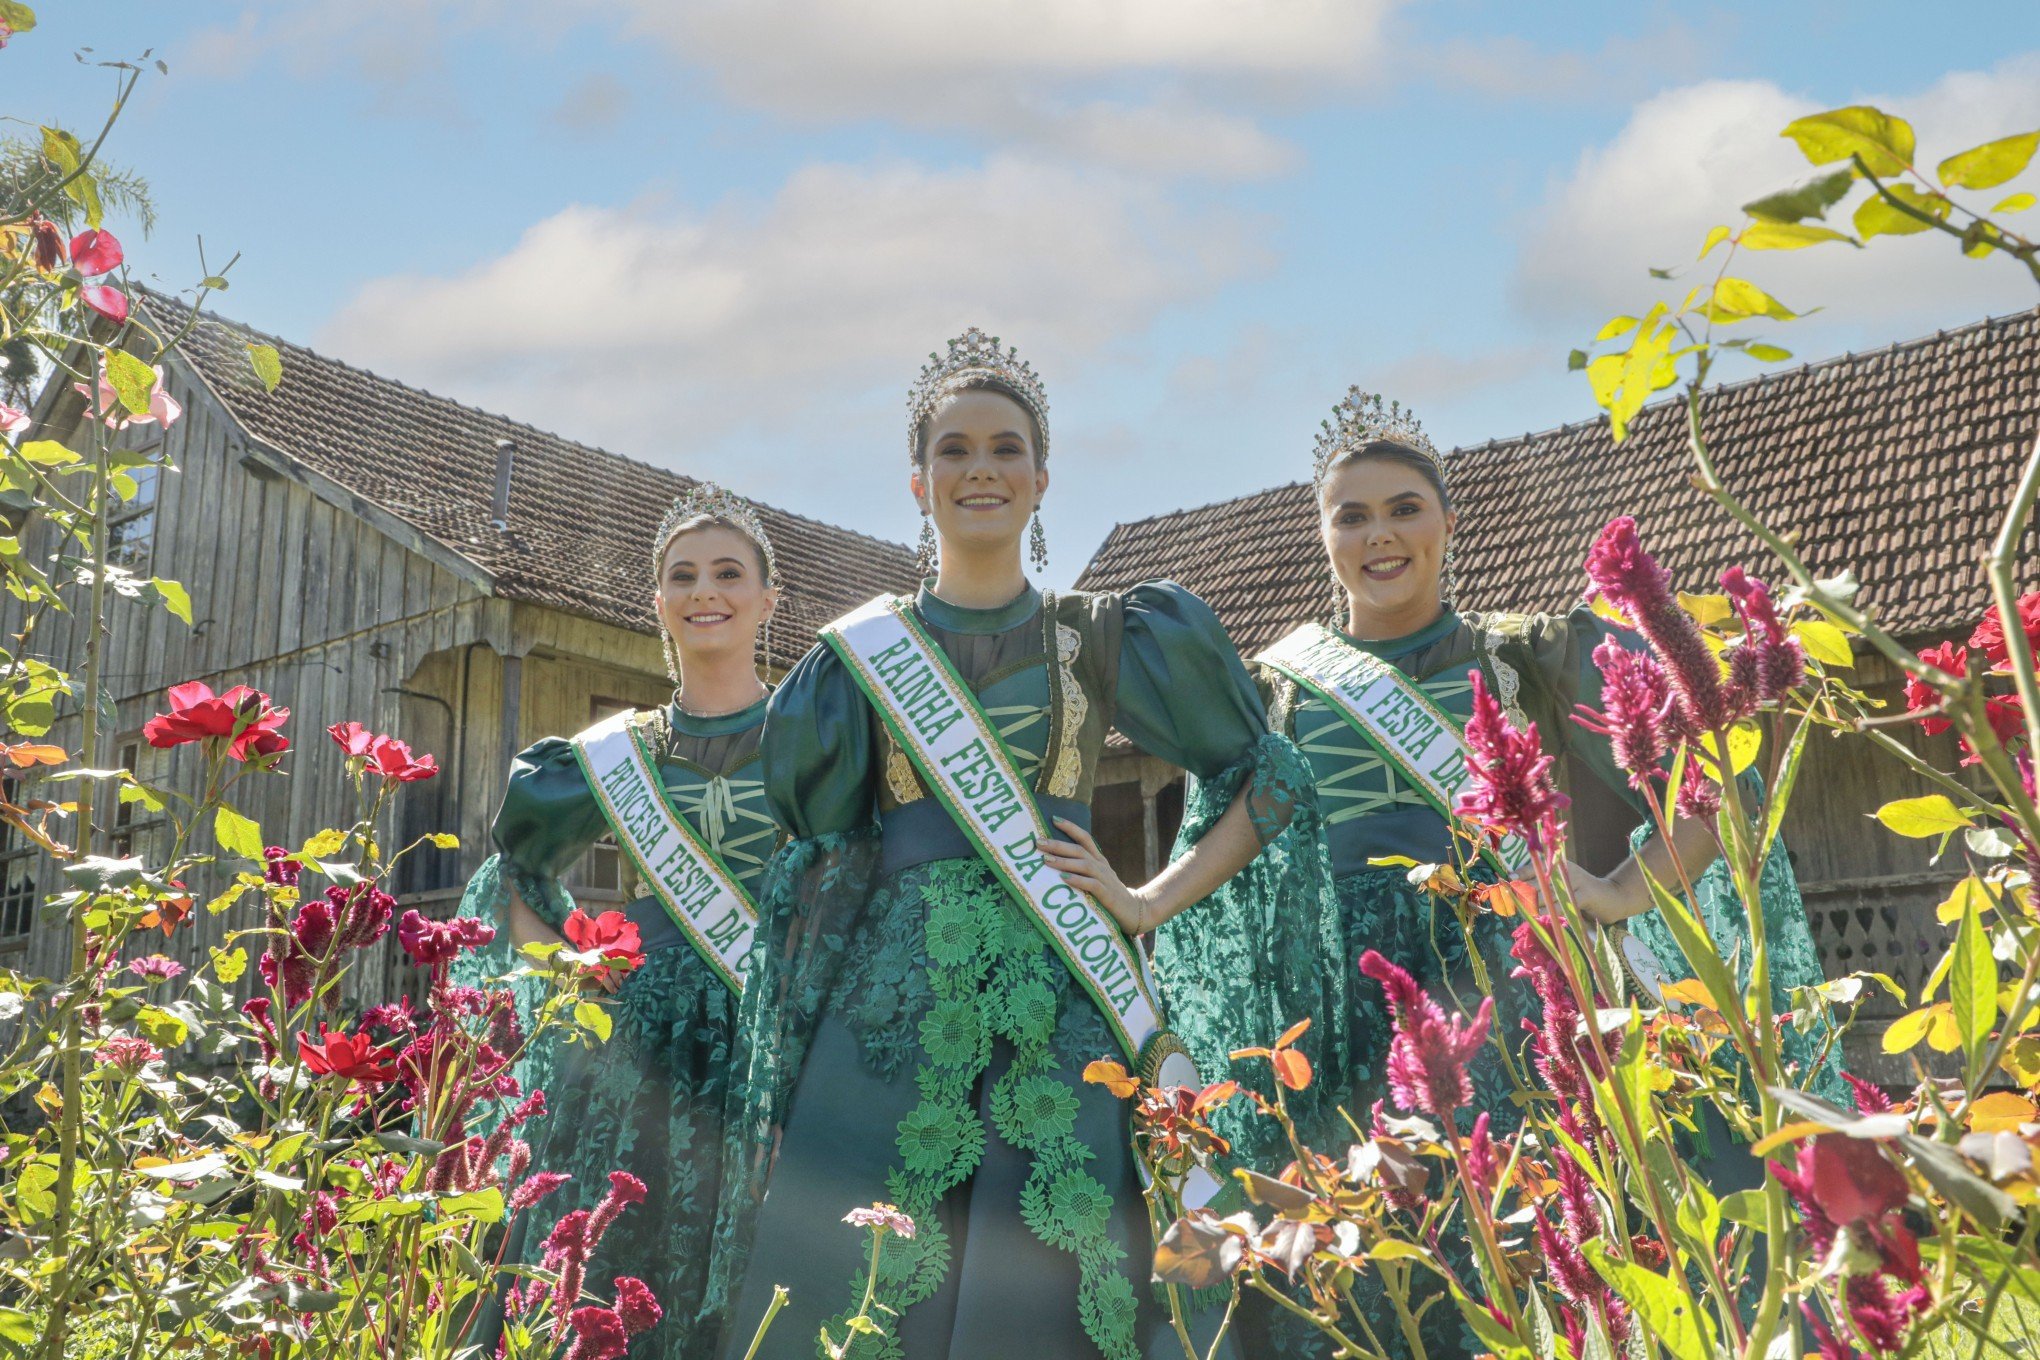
column 1990, row 634
column 95, row 252
column 351, row 1056
column 197, row 714
column 392, row 759
column 612, row 935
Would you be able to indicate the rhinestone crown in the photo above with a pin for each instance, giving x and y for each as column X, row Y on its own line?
column 706, row 498
column 972, row 356
column 1360, row 420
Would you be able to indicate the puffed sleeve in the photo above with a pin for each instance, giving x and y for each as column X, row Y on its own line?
column 1560, row 649
column 1184, row 694
column 817, row 749
column 549, row 815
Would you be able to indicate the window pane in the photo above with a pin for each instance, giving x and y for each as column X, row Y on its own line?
column 130, row 539
column 145, row 483
column 17, row 894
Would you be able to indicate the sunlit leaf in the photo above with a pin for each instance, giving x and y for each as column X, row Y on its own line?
column 1884, row 141
column 1878, row 216
column 228, row 966
column 2016, row 203
column 1738, row 300
column 2000, row 1110
column 1787, row 236
column 1972, row 984
column 268, row 365
column 237, row 834
column 1765, row 353
column 47, row 453
column 593, row 1017
column 174, row 596
column 1968, row 895
column 323, row 845
column 1715, row 237
column 1664, row 1309
column 445, row 840
column 1923, row 817
column 1823, row 641
column 1113, row 1077
column 1905, row 1033
column 1989, row 165
column 1707, row 609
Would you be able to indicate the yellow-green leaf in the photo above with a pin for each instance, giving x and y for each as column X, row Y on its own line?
column 485, row 1206
column 1972, row 985
column 1999, row 1111
column 1921, row 818
column 174, row 596
column 20, row 18
column 228, row 966
column 1811, row 199
column 1824, row 642
column 237, row 835
column 47, row 453
column 1884, row 141
column 593, row 1017
column 1787, row 236
column 1989, row 165
column 1666, row 1311
column 1617, row 325
column 2016, row 203
column 1707, row 609
column 1968, row 895
column 1739, row 299
column 1877, row 216
column 1745, row 740
column 1906, row 1032
column 133, row 381
column 268, row 365
column 1714, row 238
column 445, row 840
column 1768, row 354
column 324, row 845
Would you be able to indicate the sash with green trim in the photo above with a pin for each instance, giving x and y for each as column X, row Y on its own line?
column 936, row 719
column 1421, row 742
column 692, row 884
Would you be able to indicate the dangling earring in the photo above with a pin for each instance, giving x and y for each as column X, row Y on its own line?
column 1448, row 581
column 1338, row 614
column 1037, row 543
column 765, row 656
column 925, row 562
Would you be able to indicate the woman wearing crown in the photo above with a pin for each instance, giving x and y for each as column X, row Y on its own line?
column 680, row 790
column 929, row 989
column 1361, row 699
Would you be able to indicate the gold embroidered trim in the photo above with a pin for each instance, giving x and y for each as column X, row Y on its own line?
column 1069, row 760
column 899, row 774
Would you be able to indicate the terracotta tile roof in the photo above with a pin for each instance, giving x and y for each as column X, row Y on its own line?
column 580, row 518
column 1896, row 464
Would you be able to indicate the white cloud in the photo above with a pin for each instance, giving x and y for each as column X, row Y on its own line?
column 1687, row 159
column 769, row 324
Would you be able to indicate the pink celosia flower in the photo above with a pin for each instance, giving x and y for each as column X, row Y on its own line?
column 624, row 1191
column 295, row 970
column 279, row 868
column 1428, row 1053
column 1769, row 663
column 1629, row 577
column 364, row 913
column 1636, row 709
column 599, row 1334
column 1870, row 1098
column 1483, row 1159
column 433, row 943
column 1511, row 789
column 535, row 1188
column 127, row 1052
column 636, row 1307
column 1699, row 797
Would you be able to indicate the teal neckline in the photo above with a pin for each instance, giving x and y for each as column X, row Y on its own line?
column 957, row 619
column 719, row 726
column 1388, row 649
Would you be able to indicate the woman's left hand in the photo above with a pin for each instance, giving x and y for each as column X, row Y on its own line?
column 1600, row 899
column 1083, row 865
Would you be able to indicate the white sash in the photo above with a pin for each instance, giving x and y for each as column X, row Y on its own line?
column 937, row 722
column 1392, row 714
column 696, row 889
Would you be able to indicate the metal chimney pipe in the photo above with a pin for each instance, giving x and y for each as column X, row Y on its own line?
column 499, row 506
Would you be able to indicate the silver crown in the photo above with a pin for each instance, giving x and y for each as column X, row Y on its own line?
column 706, row 498
column 974, row 355
column 1362, row 419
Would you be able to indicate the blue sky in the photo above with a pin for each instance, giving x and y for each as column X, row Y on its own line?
column 723, row 234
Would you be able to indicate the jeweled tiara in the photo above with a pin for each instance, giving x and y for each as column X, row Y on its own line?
column 974, row 355
column 1362, row 419
column 708, row 499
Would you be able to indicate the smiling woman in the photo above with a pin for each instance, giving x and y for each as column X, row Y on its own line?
column 680, row 791
column 936, row 968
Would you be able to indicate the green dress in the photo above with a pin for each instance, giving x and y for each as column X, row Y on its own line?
column 912, row 1039
column 650, row 1100
column 1540, row 666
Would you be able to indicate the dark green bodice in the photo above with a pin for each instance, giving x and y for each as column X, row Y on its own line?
column 711, row 771
column 1154, row 661
column 1538, row 665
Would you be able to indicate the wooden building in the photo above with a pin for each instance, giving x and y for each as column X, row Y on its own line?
column 359, row 549
column 1896, row 464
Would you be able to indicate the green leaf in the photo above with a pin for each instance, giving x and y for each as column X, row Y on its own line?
column 1923, row 818
column 1989, row 165
column 268, row 365
column 1745, row 1207
column 237, row 834
column 1787, row 236
column 323, row 845
column 20, row 18
column 1699, row 1214
column 48, row 453
column 445, row 840
column 1715, row 236
column 1877, row 216
column 159, row 1026
column 1739, row 299
column 174, row 596
column 485, row 1206
column 133, row 381
column 1766, row 354
column 1972, row 986
column 1665, row 1310
column 594, row 1017
column 1884, row 141
column 61, row 149
column 1694, row 942
column 1824, row 642
column 228, row 967
column 2016, row 203
column 1811, row 199
column 15, row 1325
column 1781, row 796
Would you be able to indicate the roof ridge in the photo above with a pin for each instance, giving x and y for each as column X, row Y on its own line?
column 1552, row 432
column 158, row 296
